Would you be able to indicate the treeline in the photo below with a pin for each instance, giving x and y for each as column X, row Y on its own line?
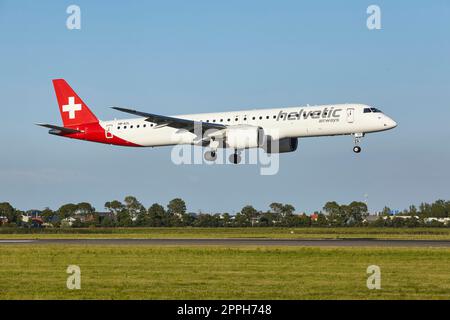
column 131, row 213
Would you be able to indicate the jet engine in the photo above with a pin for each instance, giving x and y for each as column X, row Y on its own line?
column 244, row 137
column 281, row 146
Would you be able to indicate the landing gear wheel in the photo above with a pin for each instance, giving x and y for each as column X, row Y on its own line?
column 235, row 158
column 210, row 156
column 356, row 149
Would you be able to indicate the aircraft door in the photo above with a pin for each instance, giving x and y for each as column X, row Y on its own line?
column 350, row 115
column 108, row 132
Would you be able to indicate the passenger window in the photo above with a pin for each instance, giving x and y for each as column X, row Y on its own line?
column 118, row 128
column 253, row 118
column 274, row 117
column 260, row 118
column 228, row 119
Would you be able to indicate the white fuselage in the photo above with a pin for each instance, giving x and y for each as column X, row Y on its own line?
column 292, row 122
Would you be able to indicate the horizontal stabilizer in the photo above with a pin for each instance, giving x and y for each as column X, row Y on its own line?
column 60, row 129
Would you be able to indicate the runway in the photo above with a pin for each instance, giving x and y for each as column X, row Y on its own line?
column 236, row 242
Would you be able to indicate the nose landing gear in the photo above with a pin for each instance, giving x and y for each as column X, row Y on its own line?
column 357, row 139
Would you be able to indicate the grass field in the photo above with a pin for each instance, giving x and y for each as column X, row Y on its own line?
column 151, row 272
column 280, row 233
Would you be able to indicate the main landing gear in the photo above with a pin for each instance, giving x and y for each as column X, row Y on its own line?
column 210, row 156
column 357, row 139
column 235, row 157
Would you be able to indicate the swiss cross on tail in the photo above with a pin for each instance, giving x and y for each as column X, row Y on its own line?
column 71, row 107
column 74, row 112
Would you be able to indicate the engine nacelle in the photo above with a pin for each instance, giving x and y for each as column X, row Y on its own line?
column 244, row 137
column 281, row 145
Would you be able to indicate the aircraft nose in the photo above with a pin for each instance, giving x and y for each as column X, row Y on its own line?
column 390, row 123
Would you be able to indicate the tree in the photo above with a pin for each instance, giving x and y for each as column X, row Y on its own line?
column 67, row 210
column 412, row 222
column 269, row 218
column 321, row 221
column 48, row 214
column 176, row 212
column 7, row 210
column 114, row 206
column 304, row 220
column 208, row 220
column 176, row 206
column 250, row 214
column 292, row 220
column 85, row 208
column 288, row 209
column 412, row 210
column 276, row 207
column 241, row 220
column 188, row 219
column 380, row 222
column 157, row 216
column 335, row 213
column 439, row 209
column 121, row 215
column 386, row 211
column 344, row 215
column 356, row 212
column 124, row 219
column 134, row 207
column 425, row 209
column 282, row 209
column 107, row 222
column 226, row 219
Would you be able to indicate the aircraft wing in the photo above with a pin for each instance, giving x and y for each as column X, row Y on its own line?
column 162, row 121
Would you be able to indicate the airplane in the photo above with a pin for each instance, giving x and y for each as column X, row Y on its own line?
column 274, row 130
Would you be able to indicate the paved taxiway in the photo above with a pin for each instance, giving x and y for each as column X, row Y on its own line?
column 239, row 242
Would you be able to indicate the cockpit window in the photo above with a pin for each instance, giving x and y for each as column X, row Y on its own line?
column 375, row 110
column 367, row 110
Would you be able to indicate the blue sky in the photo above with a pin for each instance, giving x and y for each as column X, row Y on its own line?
column 176, row 57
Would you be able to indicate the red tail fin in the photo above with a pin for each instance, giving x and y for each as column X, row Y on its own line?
column 73, row 110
